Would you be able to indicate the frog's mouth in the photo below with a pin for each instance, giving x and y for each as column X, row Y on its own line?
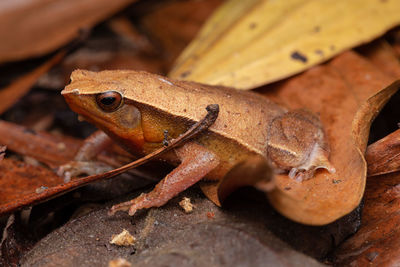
column 86, row 108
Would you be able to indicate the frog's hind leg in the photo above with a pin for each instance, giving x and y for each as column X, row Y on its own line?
column 196, row 162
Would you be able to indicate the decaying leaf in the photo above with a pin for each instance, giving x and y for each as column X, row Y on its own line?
column 376, row 243
column 246, row 44
column 46, row 25
column 48, row 149
column 19, row 182
column 23, row 185
column 383, row 156
column 256, row 169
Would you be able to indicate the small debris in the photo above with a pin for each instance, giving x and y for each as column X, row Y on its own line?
column 186, row 205
column 185, row 74
column 41, row 189
column 372, row 255
column 296, row 55
column 336, row 181
column 31, row 161
column 120, row 262
column 123, row 239
column 253, row 25
column 319, row 52
column 61, row 146
column 210, row 215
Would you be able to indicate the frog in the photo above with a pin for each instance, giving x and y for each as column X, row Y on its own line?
column 141, row 112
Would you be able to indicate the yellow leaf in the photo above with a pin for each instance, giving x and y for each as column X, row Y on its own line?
column 249, row 43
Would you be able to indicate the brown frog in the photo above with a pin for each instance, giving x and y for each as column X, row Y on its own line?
column 140, row 111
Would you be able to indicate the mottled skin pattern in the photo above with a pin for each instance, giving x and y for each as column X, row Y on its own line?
column 248, row 125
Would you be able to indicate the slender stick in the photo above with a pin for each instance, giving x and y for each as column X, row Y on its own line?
column 52, row 192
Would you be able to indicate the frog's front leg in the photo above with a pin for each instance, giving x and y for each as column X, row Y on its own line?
column 82, row 163
column 196, row 162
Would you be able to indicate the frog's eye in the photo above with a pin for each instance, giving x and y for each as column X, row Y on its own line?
column 109, row 101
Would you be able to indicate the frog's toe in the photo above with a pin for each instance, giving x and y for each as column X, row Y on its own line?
column 78, row 168
column 300, row 174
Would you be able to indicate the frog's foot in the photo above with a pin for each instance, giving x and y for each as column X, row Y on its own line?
column 196, row 162
column 301, row 174
column 318, row 159
column 141, row 202
column 77, row 168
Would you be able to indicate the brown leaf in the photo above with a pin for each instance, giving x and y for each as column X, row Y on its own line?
column 377, row 242
column 46, row 148
column 382, row 55
column 383, row 156
column 22, row 184
column 19, row 182
column 46, row 25
column 22, row 85
column 347, row 94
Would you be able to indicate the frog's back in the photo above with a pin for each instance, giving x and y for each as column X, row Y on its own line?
column 244, row 116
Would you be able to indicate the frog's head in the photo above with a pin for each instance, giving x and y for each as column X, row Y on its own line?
column 297, row 143
column 99, row 99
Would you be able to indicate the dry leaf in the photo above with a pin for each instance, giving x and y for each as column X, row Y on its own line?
column 377, row 242
column 347, row 94
column 246, row 44
column 46, row 25
column 19, row 182
column 383, row 156
column 51, row 150
column 22, row 184
column 256, row 169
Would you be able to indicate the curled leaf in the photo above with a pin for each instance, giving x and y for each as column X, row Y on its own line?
column 347, row 94
column 246, row 44
column 254, row 171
